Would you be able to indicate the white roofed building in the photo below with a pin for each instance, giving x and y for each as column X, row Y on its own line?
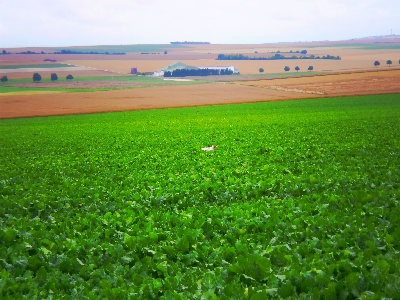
column 173, row 67
column 230, row 68
column 180, row 66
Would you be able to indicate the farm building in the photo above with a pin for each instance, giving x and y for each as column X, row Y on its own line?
column 173, row 67
column 231, row 68
column 179, row 65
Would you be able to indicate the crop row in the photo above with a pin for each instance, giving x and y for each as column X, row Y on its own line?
column 300, row 199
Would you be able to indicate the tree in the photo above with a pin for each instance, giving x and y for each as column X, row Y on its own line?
column 4, row 78
column 261, row 70
column 54, row 76
column 37, row 77
column 287, row 69
column 310, row 68
column 376, row 63
column 69, row 77
column 303, row 52
column 389, row 62
column 4, row 52
column 297, row 68
column 165, row 52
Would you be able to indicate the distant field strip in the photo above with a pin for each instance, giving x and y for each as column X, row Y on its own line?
column 35, row 69
column 36, row 66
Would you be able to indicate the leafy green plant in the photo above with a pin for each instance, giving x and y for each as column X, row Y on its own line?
column 299, row 200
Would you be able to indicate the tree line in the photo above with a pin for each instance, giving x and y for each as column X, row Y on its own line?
column 388, row 62
column 37, row 77
column 287, row 69
column 54, row 77
column 197, row 72
column 90, row 52
column 277, row 56
column 4, row 52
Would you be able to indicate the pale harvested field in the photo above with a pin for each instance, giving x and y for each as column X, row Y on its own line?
column 351, row 61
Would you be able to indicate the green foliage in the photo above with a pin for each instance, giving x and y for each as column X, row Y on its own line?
column 261, row 70
column 135, row 81
column 276, row 56
column 377, row 63
column 286, row 68
column 4, row 78
column 300, row 200
column 54, row 76
column 36, row 77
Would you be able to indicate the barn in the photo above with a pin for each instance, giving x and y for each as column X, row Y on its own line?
column 180, row 65
column 173, row 67
column 230, row 68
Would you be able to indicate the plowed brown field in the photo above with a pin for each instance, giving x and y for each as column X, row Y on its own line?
column 354, row 74
column 336, row 85
column 47, row 104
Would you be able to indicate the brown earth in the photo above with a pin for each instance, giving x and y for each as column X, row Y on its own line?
column 352, row 58
column 47, row 104
column 354, row 74
column 364, row 83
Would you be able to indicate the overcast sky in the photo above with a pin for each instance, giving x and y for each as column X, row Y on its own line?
column 27, row 23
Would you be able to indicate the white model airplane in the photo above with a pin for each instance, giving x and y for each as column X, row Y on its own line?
column 213, row 147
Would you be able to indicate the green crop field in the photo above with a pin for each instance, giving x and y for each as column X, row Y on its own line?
column 300, row 200
column 16, row 85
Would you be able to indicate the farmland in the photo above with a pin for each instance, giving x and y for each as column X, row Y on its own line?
column 106, row 193
column 23, row 98
column 300, row 200
column 102, row 83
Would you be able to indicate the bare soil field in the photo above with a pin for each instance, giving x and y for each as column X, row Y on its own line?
column 48, row 104
column 354, row 56
column 378, row 82
column 354, row 74
column 351, row 60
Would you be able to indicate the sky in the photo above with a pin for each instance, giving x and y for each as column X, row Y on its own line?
column 45, row 23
